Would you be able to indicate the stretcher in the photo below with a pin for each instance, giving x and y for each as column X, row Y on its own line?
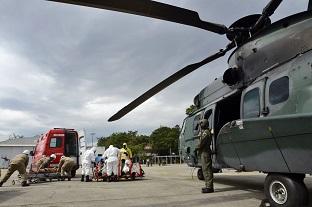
column 135, row 171
column 43, row 175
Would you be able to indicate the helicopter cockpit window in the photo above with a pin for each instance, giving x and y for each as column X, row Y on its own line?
column 251, row 107
column 196, row 125
column 279, row 90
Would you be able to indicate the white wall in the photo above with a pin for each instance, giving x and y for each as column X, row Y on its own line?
column 10, row 153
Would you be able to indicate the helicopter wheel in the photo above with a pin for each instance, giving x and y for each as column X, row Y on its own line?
column 285, row 190
column 200, row 174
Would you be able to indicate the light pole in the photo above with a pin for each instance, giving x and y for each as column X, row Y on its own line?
column 92, row 134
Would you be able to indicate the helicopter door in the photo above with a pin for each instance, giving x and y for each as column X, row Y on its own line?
column 192, row 142
column 209, row 114
column 251, row 137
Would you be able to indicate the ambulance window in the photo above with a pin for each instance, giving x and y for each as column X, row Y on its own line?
column 56, row 142
column 279, row 90
column 251, row 107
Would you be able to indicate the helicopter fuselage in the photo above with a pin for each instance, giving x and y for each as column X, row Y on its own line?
column 263, row 121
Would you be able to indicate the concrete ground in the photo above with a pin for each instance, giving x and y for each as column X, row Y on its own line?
column 170, row 185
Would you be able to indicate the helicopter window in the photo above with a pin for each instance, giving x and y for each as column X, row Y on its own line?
column 196, row 125
column 279, row 90
column 251, row 107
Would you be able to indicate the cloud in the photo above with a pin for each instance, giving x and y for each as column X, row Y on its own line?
column 70, row 66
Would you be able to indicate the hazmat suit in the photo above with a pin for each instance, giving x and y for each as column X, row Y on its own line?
column 112, row 161
column 65, row 166
column 19, row 163
column 87, row 159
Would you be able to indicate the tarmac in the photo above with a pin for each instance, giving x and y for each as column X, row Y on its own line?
column 171, row 185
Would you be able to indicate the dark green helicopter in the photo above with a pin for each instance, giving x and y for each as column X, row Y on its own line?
column 260, row 111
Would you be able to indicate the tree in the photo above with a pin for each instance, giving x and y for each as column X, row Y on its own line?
column 165, row 140
column 190, row 109
column 134, row 141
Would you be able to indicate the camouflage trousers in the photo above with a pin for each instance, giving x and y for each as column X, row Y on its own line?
column 12, row 168
column 207, row 168
column 67, row 168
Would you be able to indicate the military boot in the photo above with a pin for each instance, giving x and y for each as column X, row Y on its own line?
column 108, row 178
column 1, row 183
column 24, row 184
column 82, row 178
column 87, row 179
column 207, row 190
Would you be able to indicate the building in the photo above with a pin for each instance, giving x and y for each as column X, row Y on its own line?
column 12, row 147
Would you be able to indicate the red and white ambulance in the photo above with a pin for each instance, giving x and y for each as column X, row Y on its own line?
column 58, row 141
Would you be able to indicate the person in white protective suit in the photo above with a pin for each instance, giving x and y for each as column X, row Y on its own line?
column 112, row 162
column 126, row 168
column 88, row 158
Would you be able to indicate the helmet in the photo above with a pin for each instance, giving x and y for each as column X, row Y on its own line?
column 204, row 124
column 26, row 152
column 124, row 145
column 53, row 156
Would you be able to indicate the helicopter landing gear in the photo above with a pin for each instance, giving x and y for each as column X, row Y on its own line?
column 285, row 190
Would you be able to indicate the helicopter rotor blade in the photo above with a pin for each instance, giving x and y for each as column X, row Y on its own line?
column 168, row 81
column 268, row 10
column 152, row 9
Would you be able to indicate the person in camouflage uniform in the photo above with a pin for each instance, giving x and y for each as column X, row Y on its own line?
column 19, row 163
column 65, row 166
column 205, row 155
column 44, row 162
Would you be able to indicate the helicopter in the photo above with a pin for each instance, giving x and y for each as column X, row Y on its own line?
column 260, row 109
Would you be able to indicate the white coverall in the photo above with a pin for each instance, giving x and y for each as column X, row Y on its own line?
column 87, row 159
column 112, row 160
column 126, row 168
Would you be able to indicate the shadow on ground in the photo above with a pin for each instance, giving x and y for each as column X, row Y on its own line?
column 9, row 194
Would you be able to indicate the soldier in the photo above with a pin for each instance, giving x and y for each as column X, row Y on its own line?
column 19, row 163
column 44, row 162
column 65, row 166
column 205, row 155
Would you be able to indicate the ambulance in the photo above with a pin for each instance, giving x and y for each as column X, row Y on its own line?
column 58, row 141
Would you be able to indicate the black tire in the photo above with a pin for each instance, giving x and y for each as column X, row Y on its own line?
column 200, row 174
column 285, row 190
column 73, row 173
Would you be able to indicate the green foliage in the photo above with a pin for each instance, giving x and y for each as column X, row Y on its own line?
column 134, row 141
column 165, row 140
column 190, row 109
column 162, row 140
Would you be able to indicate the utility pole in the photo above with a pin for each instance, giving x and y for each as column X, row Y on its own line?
column 92, row 134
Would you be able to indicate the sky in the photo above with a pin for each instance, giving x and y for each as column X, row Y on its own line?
column 74, row 67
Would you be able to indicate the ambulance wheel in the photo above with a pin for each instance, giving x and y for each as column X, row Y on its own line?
column 73, row 173
column 200, row 174
column 285, row 190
